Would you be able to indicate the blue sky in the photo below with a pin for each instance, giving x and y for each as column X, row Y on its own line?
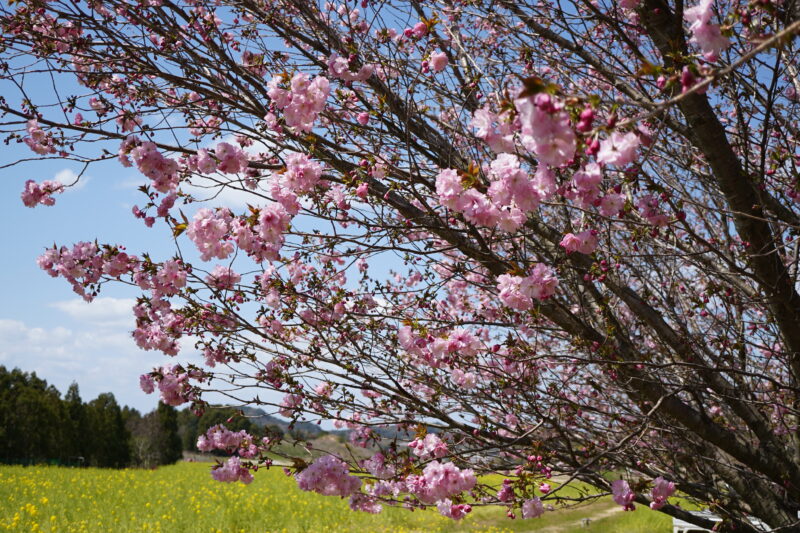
column 44, row 326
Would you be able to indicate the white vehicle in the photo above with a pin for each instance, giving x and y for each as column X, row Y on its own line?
column 681, row 526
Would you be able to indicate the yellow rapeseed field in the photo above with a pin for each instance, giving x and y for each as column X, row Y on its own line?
column 184, row 498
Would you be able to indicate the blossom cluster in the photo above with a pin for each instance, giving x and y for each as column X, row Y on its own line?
column 496, row 130
column 622, row 494
column 377, row 466
column 302, row 102
column 221, row 438
column 40, row 193
column 38, row 140
column 518, row 292
column 662, row 489
column 584, row 242
column 214, row 232
column 232, row 471
column 454, row 511
column 532, row 508
column 230, row 159
column 545, row 129
column 428, row 447
column 329, row 476
column 513, row 194
column 443, row 350
column 208, row 230
column 339, row 67
column 173, row 384
column 706, row 35
column 158, row 326
column 440, row 481
column 84, row 264
column 223, row 278
column 162, row 170
column 300, row 176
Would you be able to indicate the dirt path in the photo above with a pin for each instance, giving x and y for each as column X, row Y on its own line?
column 576, row 525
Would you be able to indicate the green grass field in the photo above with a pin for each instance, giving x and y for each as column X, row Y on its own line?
column 184, row 498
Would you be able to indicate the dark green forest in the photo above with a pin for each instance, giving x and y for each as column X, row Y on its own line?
column 39, row 425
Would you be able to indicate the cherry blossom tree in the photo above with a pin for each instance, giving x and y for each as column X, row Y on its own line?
column 534, row 238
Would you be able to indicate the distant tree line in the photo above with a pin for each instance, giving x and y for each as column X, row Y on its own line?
column 37, row 425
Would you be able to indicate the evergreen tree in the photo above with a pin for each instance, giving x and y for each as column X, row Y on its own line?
column 168, row 441
column 110, row 446
column 187, row 428
column 32, row 418
column 76, row 443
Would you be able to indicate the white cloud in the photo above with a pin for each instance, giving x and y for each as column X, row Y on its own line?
column 219, row 193
column 217, row 190
column 104, row 311
column 70, row 177
column 100, row 359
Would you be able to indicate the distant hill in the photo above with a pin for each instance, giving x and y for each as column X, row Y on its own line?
column 260, row 418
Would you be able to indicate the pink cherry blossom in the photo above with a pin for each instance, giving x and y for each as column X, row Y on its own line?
column 622, row 494
column 302, row 173
column 545, row 129
column 440, row 481
column 584, row 242
column 519, row 292
column 232, row 471
column 431, row 446
column 449, row 188
column 85, row 264
column 146, row 383
column 221, row 438
column 618, row 149
column 162, row 170
column 329, row 476
column 366, row 504
column 170, row 278
column 512, row 184
column 173, row 384
column 629, row 4
column 478, row 209
column 465, row 380
column 38, row 140
column 232, row 159
column 532, row 508
column 662, row 489
column 208, row 230
column 223, row 278
column 438, row 61
column 454, row 511
column 302, row 102
column 377, row 466
column 419, row 30
column 649, row 207
column 611, row 204
column 40, row 193
column 339, row 67
column 705, row 34
column 506, row 491
column 496, row 130
column 272, row 222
